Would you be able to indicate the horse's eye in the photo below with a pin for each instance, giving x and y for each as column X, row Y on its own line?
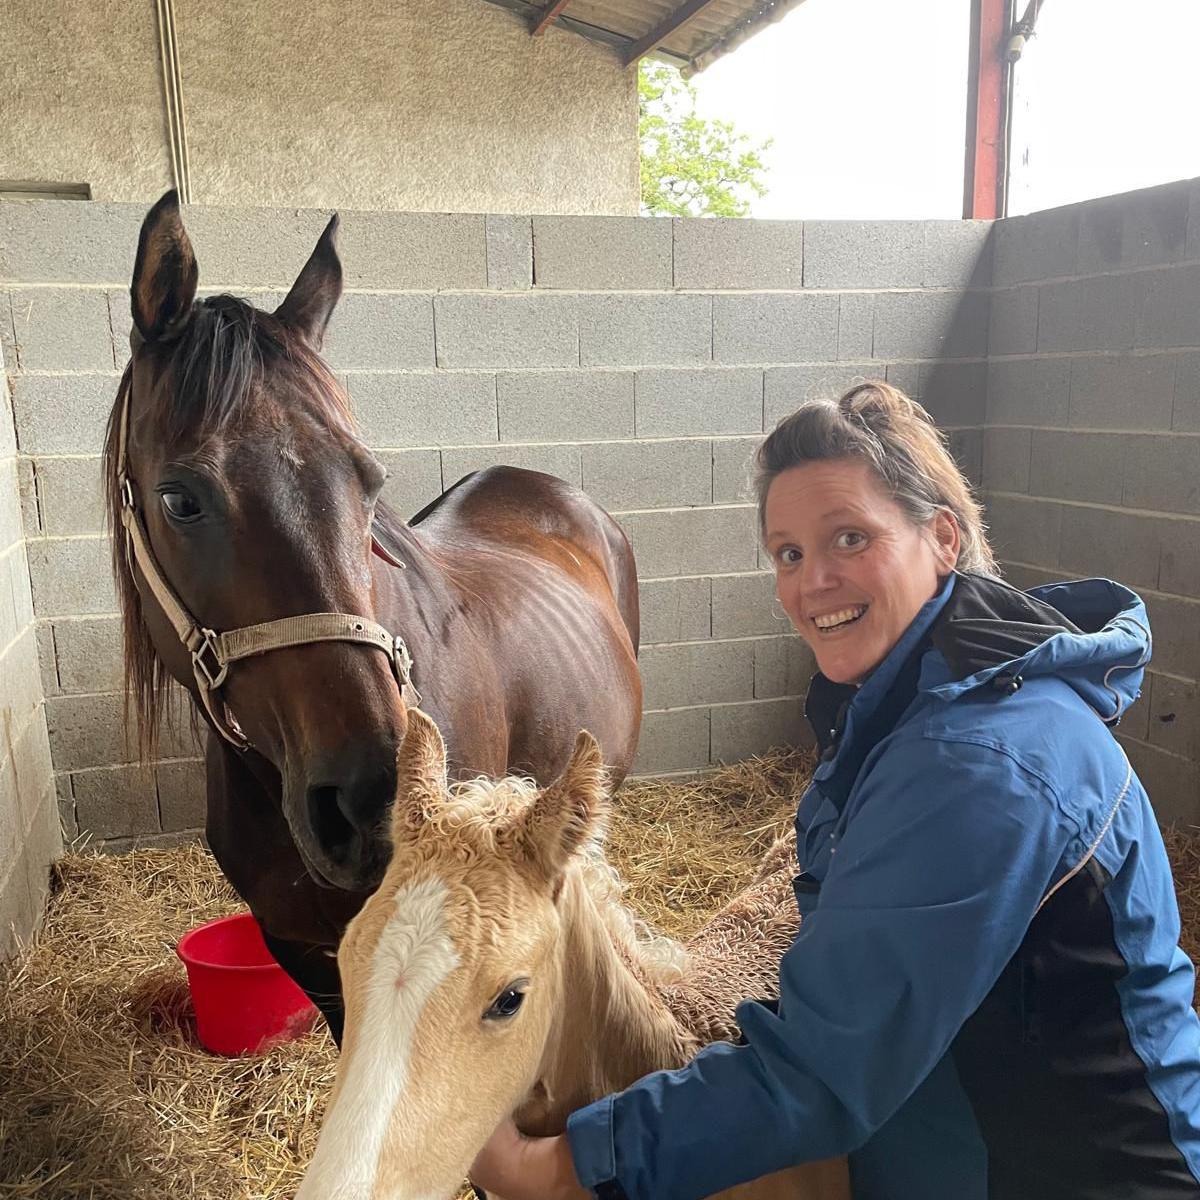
column 507, row 1004
column 180, row 506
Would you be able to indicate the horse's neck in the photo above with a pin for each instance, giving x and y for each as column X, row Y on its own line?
column 612, row 1027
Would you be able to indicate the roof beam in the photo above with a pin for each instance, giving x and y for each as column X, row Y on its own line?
column 548, row 14
column 667, row 26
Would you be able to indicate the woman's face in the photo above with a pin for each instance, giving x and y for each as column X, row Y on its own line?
column 851, row 570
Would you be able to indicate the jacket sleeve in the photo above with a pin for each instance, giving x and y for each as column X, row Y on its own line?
column 929, row 894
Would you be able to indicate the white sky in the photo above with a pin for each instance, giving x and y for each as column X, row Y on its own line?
column 866, row 102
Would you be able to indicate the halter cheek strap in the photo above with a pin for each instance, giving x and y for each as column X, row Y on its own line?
column 214, row 653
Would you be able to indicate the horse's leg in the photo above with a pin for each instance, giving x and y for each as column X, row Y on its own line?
column 315, row 971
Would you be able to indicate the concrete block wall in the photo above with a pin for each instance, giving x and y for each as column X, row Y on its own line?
column 641, row 359
column 1091, row 457
column 29, row 827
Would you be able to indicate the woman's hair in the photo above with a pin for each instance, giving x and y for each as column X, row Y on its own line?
column 879, row 425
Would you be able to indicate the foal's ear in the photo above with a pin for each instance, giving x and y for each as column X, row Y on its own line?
column 420, row 774
column 569, row 812
column 317, row 289
column 165, row 273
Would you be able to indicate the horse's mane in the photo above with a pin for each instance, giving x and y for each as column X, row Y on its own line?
column 216, row 363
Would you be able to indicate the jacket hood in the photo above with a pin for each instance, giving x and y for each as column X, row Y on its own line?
column 1093, row 634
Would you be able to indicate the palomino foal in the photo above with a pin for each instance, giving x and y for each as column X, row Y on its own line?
column 496, row 971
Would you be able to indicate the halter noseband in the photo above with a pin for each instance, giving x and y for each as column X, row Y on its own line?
column 213, row 653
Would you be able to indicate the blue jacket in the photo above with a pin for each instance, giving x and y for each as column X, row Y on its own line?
column 986, row 997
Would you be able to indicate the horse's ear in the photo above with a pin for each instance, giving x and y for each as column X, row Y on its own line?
column 165, row 273
column 317, row 289
column 569, row 812
column 420, row 774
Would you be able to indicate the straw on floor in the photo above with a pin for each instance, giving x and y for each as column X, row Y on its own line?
column 104, row 1092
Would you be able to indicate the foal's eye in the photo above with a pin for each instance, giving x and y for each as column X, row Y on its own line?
column 179, row 505
column 507, row 1004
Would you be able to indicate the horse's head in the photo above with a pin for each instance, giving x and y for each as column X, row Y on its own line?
column 452, row 973
column 256, row 499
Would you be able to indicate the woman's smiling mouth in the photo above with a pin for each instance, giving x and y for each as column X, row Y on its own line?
column 843, row 617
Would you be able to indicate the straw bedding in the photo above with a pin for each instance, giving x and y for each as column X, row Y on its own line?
column 104, row 1092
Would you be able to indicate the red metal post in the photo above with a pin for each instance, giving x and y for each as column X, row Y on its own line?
column 988, row 78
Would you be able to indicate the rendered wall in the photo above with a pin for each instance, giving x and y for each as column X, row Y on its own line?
column 29, row 826
column 644, row 363
column 443, row 105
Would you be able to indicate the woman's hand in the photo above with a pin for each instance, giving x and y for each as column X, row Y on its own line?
column 519, row 1168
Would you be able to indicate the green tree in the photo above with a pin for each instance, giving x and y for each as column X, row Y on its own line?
column 692, row 166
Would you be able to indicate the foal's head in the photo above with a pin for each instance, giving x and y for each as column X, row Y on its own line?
column 258, row 500
column 452, row 973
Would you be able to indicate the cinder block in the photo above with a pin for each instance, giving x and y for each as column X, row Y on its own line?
column 931, row 324
column 374, row 331
column 1192, row 248
column 509, row 252
column 1175, row 624
column 745, row 606
column 413, row 251
column 742, row 730
column 71, row 492
column 562, row 461
column 71, row 577
column 507, row 329
column 729, row 253
column 1006, row 458
column 63, row 414
column 1112, row 544
column 958, row 254
column 1027, row 578
column 13, row 503
column 697, row 673
column 18, row 917
column 182, row 803
column 595, row 253
column 1186, row 415
column 89, row 731
column 22, row 676
column 966, row 448
column 565, row 405
column 43, row 847
column 414, row 479
column 954, row 393
column 27, row 518
column 687, row 402
column 60, row 329
column 8, row 422
column 88, row 654
column 1090, row 314
column 120, row 320
column 856, row 325
column 63, row 241
column 1175, row 715
column 621, row 476
column 783, row 666
column 692, row 541
column 788, row 388
column 424, row 408
column 673, row 741
column 638, row 330
column 864, row 254
column 1077, row 466
column 1029, row 391
column 904, row 375
column 1025, row 531
column 66, row 805
column 771, row 328
column 1038, row 246
column 116, row 801
column 1014, row 321
column 1179, row 567
column 1171, row 313
column 12, row 819
column 9, row 627
column 1163, row 473
column 20, row 585
column 1172, row 782
column 1135, row 720
column 33, row 771
column 47, row 658
column 1137, row 229
column 733, row 465
column 675, row 610
column 1123, row 391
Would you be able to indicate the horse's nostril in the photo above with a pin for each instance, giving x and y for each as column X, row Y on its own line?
column 333, row 830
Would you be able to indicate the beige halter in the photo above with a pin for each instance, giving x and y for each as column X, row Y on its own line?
column 213, row 653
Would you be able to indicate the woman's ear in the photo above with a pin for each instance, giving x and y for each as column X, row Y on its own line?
column 947, row 540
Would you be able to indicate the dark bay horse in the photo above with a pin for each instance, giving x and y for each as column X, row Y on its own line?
column 257, row 566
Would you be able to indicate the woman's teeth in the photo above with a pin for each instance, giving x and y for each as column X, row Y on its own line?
column 835, row 620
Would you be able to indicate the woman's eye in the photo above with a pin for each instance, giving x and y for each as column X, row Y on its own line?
column 850, row 539
column 180, row 506
column 506, row 1005
column 789, row 556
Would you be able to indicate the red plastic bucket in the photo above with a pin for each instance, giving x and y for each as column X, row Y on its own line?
column 244, row 1000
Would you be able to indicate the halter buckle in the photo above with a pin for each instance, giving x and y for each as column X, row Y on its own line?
column 126, row 492
column 208, row 644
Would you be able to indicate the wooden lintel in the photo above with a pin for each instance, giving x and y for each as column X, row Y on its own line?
column 666, row 27
column 546, row 17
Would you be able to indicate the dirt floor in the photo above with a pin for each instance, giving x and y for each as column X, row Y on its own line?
column 105, row 1093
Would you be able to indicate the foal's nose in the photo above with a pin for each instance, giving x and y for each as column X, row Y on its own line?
column 347, row 812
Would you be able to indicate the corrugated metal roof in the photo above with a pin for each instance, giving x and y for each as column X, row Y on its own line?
column 691, row 33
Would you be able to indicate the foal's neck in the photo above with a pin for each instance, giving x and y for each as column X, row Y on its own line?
column 613, row 1026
